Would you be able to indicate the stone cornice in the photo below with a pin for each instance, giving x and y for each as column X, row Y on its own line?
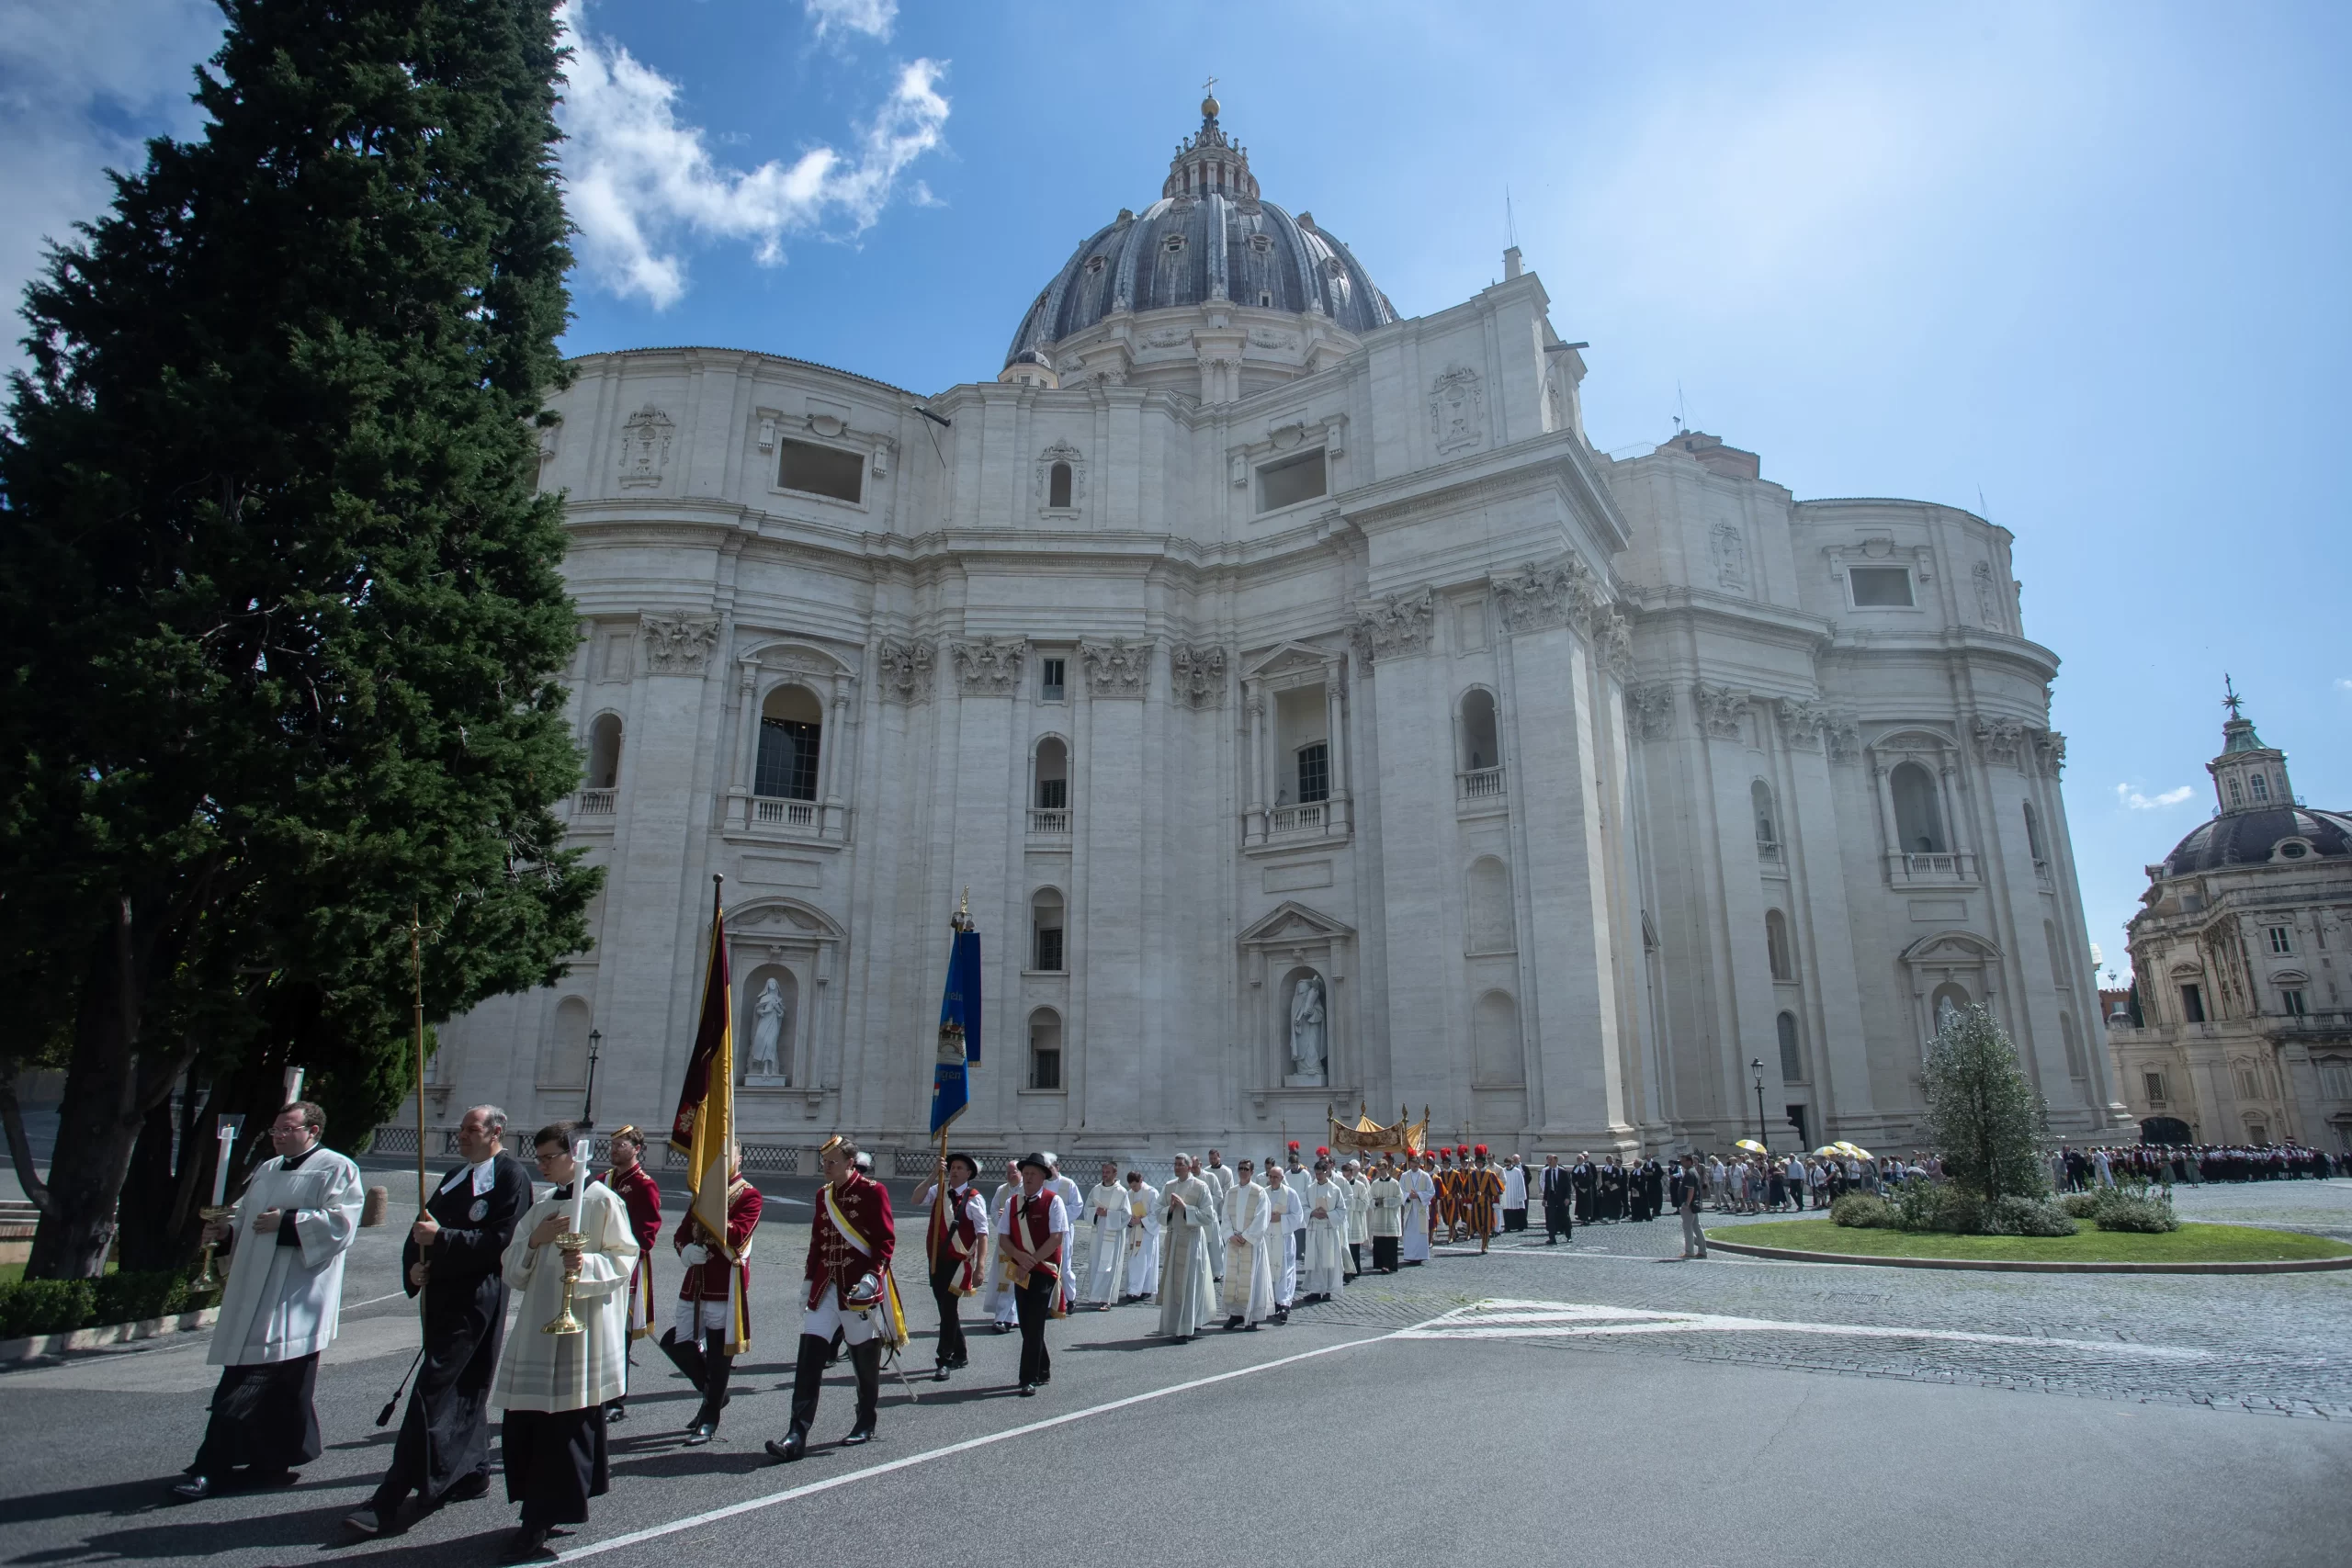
column 1555, row 460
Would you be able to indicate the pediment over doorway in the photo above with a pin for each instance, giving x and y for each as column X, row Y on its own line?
column 1950, row 947
column 1292, row 922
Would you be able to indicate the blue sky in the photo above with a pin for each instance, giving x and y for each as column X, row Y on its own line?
column 2087, row 261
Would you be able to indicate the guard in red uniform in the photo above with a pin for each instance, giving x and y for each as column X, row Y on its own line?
column 714, row 1321
column 848, row 1290
column 643, row 1195
column 955, row 1243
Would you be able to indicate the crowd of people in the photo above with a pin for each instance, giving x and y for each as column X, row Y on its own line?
column 1231, row 1249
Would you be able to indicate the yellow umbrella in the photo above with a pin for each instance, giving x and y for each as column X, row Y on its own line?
column 1854, row 1149
column 1827, row 1149
column 1751, row 1144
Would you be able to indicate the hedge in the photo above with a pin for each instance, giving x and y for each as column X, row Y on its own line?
column 59, row 1306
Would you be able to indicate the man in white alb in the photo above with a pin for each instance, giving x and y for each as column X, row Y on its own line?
column 1249, row 1239
column 1359, row 1227
column 1327, row 1251
column 1187, row 1289
column 1386, row 1220
column 1514, row 1194
column 1421, row 1194
column 1073, row 1200
column 1219, row 1177
column 1287, row 1216
column 1105, row 1223
column 1141, row 1276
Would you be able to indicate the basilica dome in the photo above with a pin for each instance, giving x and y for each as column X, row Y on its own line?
column 2255, row 838
column 1209, row 241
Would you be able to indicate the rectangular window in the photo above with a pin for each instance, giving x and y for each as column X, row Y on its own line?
column 1291, row 481
column 1879, row 585
column 2293, row 1002
column 787, row 761
column 2280, row 942
column 822, row 470
column 2155, row 1082
column 1053, row 794
column 2249, row 1084
column 1053, row 676
column 2192, row 1004
column 1314, row 774
column 1049, row 949
column 2335, row 1080
column 1045, row 1064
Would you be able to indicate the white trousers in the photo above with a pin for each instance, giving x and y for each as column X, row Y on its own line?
column 714, row 1316
column 828, row 1315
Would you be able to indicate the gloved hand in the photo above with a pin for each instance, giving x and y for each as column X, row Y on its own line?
column 693, row 1254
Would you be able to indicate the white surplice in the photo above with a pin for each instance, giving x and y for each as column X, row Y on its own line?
column 996, row 1293
column 1073, row 1203
column 568, row 1371
column 284, row 1302
column 1327, row 1248
column 1218, row 1179
column 1105, row 1225
column 1141, row 1276
column 1386, row 1205
column 1359, row 1227
column 1187, row 1289
column 1249, row 1242
column 1287, row 1218
column 1420, row 1192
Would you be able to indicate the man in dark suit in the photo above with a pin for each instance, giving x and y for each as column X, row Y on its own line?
column 453, row 1255
column 1552, row 1186
column 1584, row 1181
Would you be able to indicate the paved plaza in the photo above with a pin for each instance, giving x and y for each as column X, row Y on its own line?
column 1593, row 1402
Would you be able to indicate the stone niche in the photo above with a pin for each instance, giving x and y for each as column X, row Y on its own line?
column 1294, row 969
column 797, row 946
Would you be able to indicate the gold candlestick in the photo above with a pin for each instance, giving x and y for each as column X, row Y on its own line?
column 571, row 1242
column 212, row 1213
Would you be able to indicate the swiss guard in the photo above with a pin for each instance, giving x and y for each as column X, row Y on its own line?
column 848, row 1291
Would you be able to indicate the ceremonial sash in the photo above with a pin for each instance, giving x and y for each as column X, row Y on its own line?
column 1053, row 1267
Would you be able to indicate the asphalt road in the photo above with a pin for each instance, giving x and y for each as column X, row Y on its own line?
column 1588, row 1402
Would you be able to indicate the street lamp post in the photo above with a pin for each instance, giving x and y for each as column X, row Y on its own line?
column 1755, row 1067
column 588, row 1104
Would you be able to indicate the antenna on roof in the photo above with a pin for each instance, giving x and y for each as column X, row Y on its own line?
column 1510, row 223
column 1981, row 511
column 1678, row 403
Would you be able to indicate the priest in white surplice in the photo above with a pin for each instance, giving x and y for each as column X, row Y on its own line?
column 1187, row 1290
column 1286, row 1218
column 1326, row 1220
column 1250, row 1241
column 1141, row 1276
column 1359, row 1229
column 553, row 1387
column 1105, row 1223
column 1386, row 1220
column 1219, row 1177
column 1421, row 1194
column 281, row 1308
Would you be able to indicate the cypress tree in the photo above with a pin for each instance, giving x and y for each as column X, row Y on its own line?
column 280, row 615
column 1984, row 1117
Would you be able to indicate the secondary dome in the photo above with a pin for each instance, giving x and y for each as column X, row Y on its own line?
column 1208, row 240
column 2251, row 838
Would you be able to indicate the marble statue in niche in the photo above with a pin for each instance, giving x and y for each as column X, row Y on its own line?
column 767, row 1033
column 1308, row 1031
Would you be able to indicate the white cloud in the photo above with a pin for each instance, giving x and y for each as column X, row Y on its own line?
column 80, row 85
column 641, row 184
column 2341, row 684
column 2126, row 796
column 872, row 18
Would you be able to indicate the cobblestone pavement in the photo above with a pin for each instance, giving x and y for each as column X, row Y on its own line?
column 2279, row 1343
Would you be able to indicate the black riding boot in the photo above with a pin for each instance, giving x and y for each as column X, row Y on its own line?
column 687, row 1358
column 868, row 1360
column 807, row 1381
column 718, row 1366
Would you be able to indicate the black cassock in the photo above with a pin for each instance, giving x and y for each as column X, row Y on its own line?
column 1580, row 1177
column 445, row 1437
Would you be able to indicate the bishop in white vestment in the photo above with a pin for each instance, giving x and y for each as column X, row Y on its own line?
column 281, row 1306
column 1187, row 1291
column 552, row 1388
column 1249, row 1242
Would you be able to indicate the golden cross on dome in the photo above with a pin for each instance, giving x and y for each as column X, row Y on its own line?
column 2230, row 698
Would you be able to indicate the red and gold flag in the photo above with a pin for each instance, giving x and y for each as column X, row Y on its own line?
column 704, row 1128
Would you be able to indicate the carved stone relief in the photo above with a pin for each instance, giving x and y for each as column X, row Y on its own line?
column 1651, row 709
column 645, row 448
column 991, row 667
column 1731, row 557
column 2000, row 742
column 1722, row 710
column 1457, row 410
column 906, row 670
column 1197, row 674
column 1801, row 723
column 1616, row 637
column 1559, row 591
column 679, row 644
column 2050, row 753
column 1394, row 627
column 1844, row 736
column 1116, row 669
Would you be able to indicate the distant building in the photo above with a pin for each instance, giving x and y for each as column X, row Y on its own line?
column 2238, row 1025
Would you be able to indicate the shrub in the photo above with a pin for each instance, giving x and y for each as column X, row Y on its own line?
column 2121, row 1210
column 2029, row 1216
column 1862, row 1211
column 131, row 1298
column 2081, row 1205
column 1984, row 1116
column 46, row 1306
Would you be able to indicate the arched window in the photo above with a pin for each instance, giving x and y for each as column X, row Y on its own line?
column 2237, row 796
column 2033, row 837
column 1776, row 946
column 604, row 751
column 1768, row 820
column 1481, row 747
column 563, row 1062
column 1053, row 775
column 2260, row 785
column 1045, row 1049
column 1792, row 1054
column 1058, row 485
column 1918, row 819
column 1495, row 1056
column 791, row 727
column 1046, row 930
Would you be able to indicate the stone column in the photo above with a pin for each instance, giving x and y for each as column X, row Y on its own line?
column 747, row 746
column 1338, row 813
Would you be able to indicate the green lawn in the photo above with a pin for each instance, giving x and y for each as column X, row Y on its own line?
column 2189, row 1244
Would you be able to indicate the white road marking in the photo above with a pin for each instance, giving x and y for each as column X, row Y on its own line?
column 654, row 1532
column 1497, row 1319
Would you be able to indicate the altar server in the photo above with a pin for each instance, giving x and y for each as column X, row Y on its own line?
column 1385, row 1221
column 1187, row 1289
column 552, row 1387
column 1073, row 1205
column 1359, row 1225
column 280, row 1309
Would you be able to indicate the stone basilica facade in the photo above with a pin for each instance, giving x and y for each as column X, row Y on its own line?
column 1317, row 719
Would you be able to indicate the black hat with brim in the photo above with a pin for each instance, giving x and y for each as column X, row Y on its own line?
column 1037, row 1159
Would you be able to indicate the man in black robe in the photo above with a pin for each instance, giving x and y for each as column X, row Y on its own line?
column 1581, row 1180
column 453, row 1255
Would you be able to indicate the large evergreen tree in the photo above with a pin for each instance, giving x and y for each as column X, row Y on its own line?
column 1984, row 1117
column 279, row 607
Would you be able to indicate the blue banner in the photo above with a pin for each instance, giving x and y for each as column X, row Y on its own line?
column 959, row 1030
